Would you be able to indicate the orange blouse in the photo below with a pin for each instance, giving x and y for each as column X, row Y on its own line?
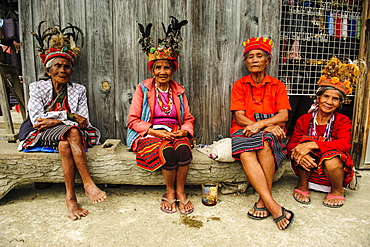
column 268, row 97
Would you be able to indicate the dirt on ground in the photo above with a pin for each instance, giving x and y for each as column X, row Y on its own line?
column 131, row 217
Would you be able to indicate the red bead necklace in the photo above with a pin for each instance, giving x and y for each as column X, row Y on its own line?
column 165, row 109
column 254, row 100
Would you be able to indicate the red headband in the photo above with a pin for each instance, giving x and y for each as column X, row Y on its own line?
column 261, row 43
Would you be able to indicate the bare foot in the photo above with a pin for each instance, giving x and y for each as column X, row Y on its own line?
column 169, row 204
column 94, row 193
column 75, row 212
column 185, row 206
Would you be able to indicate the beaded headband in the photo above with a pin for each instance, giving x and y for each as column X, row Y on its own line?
column 261, row 43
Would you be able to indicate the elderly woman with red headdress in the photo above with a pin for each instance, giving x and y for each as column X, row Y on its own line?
column 260, row 105
column 160, row 123
column 321, row 140
column 58, row 118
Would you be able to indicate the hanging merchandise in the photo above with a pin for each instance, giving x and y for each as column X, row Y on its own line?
column 295, row 51
column 9, row 26
column 311, row 33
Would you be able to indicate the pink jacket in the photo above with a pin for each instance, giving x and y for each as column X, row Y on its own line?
column 142, row 127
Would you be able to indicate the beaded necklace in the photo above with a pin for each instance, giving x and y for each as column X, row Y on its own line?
column 254, row 100
column 328, row 129
column 165, row 109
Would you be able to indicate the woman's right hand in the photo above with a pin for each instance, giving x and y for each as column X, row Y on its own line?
column 307, row 162
column 162, row 134
column 253, row 129
column 44, row 123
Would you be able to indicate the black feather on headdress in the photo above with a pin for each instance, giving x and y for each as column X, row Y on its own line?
column 59, row 39
column 173, row 34
column 172, row 39
column 146, row 41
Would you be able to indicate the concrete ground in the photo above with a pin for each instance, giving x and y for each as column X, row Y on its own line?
column 131, row 217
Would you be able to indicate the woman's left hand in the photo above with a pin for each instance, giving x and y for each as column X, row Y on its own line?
column 180, row 133
column 277, row 131
column 302, row 149
column 82, row 121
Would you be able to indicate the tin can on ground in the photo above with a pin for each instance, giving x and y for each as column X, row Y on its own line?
column 210, row 191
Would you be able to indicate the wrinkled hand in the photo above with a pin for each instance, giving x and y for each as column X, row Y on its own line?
column 277, row 131
column 307, row 162
column 44, row 123
column 180, row 133
column 302, row 149
column 162, row 134
column 252, row 129
column 82, row 121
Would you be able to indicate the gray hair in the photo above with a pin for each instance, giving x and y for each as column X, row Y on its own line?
column 321, row 91
column 169, row 61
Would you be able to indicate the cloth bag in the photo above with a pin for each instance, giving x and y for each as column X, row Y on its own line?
column 219, row 150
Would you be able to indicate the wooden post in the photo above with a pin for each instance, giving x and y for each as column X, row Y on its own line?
column 4, row 103
column 360, row 121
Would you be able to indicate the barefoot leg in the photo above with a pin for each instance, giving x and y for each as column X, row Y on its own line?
column 78, row 153
column 69, row 170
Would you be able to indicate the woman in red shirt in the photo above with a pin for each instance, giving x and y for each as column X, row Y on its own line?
column 260, row 107
column 321, row 140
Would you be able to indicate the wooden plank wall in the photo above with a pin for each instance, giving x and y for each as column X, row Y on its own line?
column 209, row 64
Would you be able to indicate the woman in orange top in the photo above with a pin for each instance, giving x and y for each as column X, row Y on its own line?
column 260, row 107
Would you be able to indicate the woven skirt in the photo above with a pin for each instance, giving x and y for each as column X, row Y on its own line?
column 240, row 143
column 51, row 137
column 149, row 151
column 318, row 174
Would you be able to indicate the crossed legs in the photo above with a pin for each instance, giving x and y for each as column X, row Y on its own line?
column 73, row 157
column 259, row 167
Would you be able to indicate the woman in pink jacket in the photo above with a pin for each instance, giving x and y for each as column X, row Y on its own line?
column 160, row 123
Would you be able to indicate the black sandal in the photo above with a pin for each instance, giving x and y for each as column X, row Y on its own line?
column 258, row 209
column 283, row 216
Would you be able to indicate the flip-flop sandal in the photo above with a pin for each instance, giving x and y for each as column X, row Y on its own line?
column 170, row 202
column 304, row 193
column 258, row 209
column 185, row 203
column 283, row 216
column 331, row 197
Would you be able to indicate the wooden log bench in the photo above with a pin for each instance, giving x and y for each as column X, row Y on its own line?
column 109, row 163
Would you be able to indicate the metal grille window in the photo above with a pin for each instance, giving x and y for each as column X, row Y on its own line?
column 311, row 33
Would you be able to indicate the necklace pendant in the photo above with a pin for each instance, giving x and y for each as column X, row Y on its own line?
column 257, row 102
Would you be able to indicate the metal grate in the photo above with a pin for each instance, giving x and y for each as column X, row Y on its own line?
column 311, row 33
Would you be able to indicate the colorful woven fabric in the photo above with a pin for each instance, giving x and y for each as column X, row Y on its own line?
column 318, row 175
column 149, row 152
column 339, row 146
column 241, row 143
